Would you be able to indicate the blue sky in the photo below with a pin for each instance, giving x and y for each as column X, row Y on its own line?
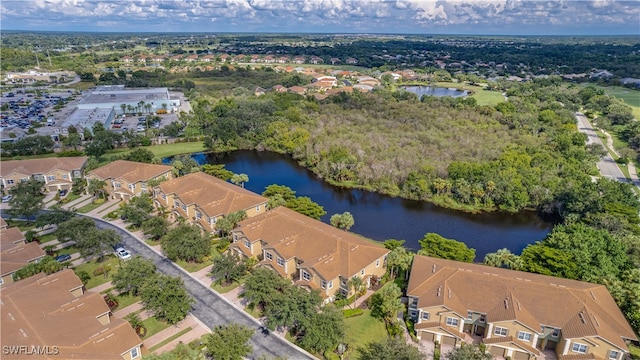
column 502, row 17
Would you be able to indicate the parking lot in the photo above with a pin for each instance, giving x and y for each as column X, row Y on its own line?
column 24, row 110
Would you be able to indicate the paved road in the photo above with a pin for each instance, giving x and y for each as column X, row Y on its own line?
column 209, row 307
column 607, row 166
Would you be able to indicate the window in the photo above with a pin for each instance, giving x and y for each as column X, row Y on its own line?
column 378, row 263
column 198, row 215
column 235, row 237
column 362, row 272
column 1, row 281
column 579, row 348
column 524, row 336
column 483, row 318
column 556, row 333
column 116, row 185
column 132, row 186
column 280, row 261
column 184, row 207
column 10, row 181
column 247, row 244
column 268, row 256
column 330, row 284
column 470, row 315
column 76, row 173
column 163, row 196
column 306, row 275
column 50, row 177
column 135, row 353
column 65, row 176
column 258, row 208
column 413, row 314
column 143, row 186
column 425, row 315
column 323, row 284
column 613, row 355
column 500, row 331
column 452, row 321
column 212, row 220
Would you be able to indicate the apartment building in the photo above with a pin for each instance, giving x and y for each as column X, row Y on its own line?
column 309, row 252
column 55, row 173
column 15, row 253
column 516, row 314
column 52, row 317
column 203, row 199
column 126, row 179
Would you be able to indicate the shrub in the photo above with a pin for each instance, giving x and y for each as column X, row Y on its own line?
column 112, row 215
column 98, row 271
column 342, row 302
column 161, row 111
column 330, row 355
column 352, row 312
column 99, row 201
column 84, row 276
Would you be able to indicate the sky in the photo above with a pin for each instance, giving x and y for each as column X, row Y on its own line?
column 477, row 17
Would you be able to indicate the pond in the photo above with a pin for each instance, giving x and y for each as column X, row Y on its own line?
column 383, row 217
column 435, row 91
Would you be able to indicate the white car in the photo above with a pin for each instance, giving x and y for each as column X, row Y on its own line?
column 123, row 254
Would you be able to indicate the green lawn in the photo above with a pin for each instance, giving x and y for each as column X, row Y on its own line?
column 22, row 225
column 89, row 207
column 629, row 96
column 153, row 326
column 125, row 300
column 363, row 329
column 482, row 96
column 193, row 266
column 225, row 289
column 46, row 238
column 91, row 266
column 635, row 352
column 165, row 150
column 169, row 339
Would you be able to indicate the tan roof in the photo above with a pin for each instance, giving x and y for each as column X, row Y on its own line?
column 329, row 251
column 512, row 341
column 19, row 256
column 130, row 171
column 42, row 311
column 578, row 308
column 41, row 166
column 3, row 223
column 214, row 196
column 11, row 237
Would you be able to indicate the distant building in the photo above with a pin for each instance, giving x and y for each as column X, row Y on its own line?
column 33, row 76
column 113, row 97
column 54, row 316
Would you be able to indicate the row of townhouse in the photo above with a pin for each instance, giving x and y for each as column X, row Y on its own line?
column 55, row 173
column 53, row 317
column 312, row 254
column 240, row 58
column 126, row 179
column 515, row 314
column 15, row 252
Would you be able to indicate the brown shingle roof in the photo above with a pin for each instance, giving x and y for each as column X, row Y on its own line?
column 41, row 166
column 3, row 223
column 533, row 299
column 330, row 251
column 514, row 341
column 19, row 256
column 11, row 237
column 41, row 311
column 214, row 196
column 130, row 171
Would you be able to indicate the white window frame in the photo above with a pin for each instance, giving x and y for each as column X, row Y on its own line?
column 305, row 275
column 555, row 333
column 579, row 348
column 470, row 315
column 330, row 284
column 280, row 261
column 117, row 185
column 451, row 321
column 427, row 317
column 613, row 355
column 258, row 208
column 500, row 331
column 163, row 196
column 268, row 256
column 10, row 182
column 65, row 176
column 135, row 353
column 213, row 220
column 247, row 243
column 143, row 185
column 184, row 207
column 132, row 186
column 483, row 319
column 198, row 215
column 362, row 272
column 323, row 284
column 524, row 336
column 51, row 177
column 377, row 262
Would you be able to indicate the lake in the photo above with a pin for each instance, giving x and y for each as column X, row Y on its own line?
column 434, row 91
column 382, row 217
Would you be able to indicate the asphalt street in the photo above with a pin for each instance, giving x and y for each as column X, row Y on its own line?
column 607, row 166
column 210, row 307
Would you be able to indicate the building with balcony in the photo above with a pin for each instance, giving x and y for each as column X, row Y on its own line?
column 55, row 173
column 126, row 179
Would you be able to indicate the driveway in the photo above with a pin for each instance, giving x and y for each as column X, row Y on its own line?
column 607, row 166
column 211, row 308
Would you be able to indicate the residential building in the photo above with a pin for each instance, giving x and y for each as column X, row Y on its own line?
column 203, row 199
column 311, row 253
column 3, row 224
column 16, row 253
column 126, row 179
column 516, row 314
column 55, row 173
column 52, row 317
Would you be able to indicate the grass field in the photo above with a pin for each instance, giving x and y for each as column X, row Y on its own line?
column 165, row 150
column 91, row 266
column 629, row 96
column 363, row 329
column 482, row 96
column 153, row 326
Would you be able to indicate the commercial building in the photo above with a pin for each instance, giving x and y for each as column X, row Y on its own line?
column 515, row 314
column 313, row 254
column 134, row 100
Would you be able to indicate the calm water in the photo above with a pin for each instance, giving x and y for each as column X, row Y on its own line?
column 434, row 91
column 382, row 217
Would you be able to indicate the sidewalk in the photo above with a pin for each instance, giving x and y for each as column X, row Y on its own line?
column 170, row 331
column 194, row 334
column 79, row 202
column 203, row 275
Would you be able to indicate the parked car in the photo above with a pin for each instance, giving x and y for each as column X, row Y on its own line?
column 63, row 192
column 63, row 258
column 123, row 254
column 6, row 198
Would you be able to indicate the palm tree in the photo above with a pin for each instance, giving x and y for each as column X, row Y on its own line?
column 130, row 108
column 148, row 108
column 96, row 187
column 357, row 284
column 240, row 179
column 123, row 107
column 503, row 258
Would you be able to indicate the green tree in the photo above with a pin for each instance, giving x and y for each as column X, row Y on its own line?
column 275, row 201
column 468, row 352
column 186, row 242
column 394, row 348
column 47, row 264
column 292, row 309
column 137, row 210
column 262, row 286
column 97, row 187
column 229, row 342
column 97, row 242
column 342, row 221
column 437, row 246
column 140, row 155
column 229, row 222
column 54, row 216
column 218, row 171
column 324, row 331
column 228, row 268
column 239, row 179
column 399, row 259
column 155, row 227
column 72, row 140
column 74, row 228
column 180, row 352
column 357, row 284
column 166, row 297
column 393, row 244
column 503, row 258
column 132, row 275
column 385, row 304
column 26, row 199
column 304, row 205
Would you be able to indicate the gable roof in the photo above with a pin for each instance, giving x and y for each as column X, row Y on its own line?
column 329, row 251
column 11, row 237
column 214, row 196
column 36, row 309
column 130, row 171
column 584, row 310
column 41, row 166
column 17, row 257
